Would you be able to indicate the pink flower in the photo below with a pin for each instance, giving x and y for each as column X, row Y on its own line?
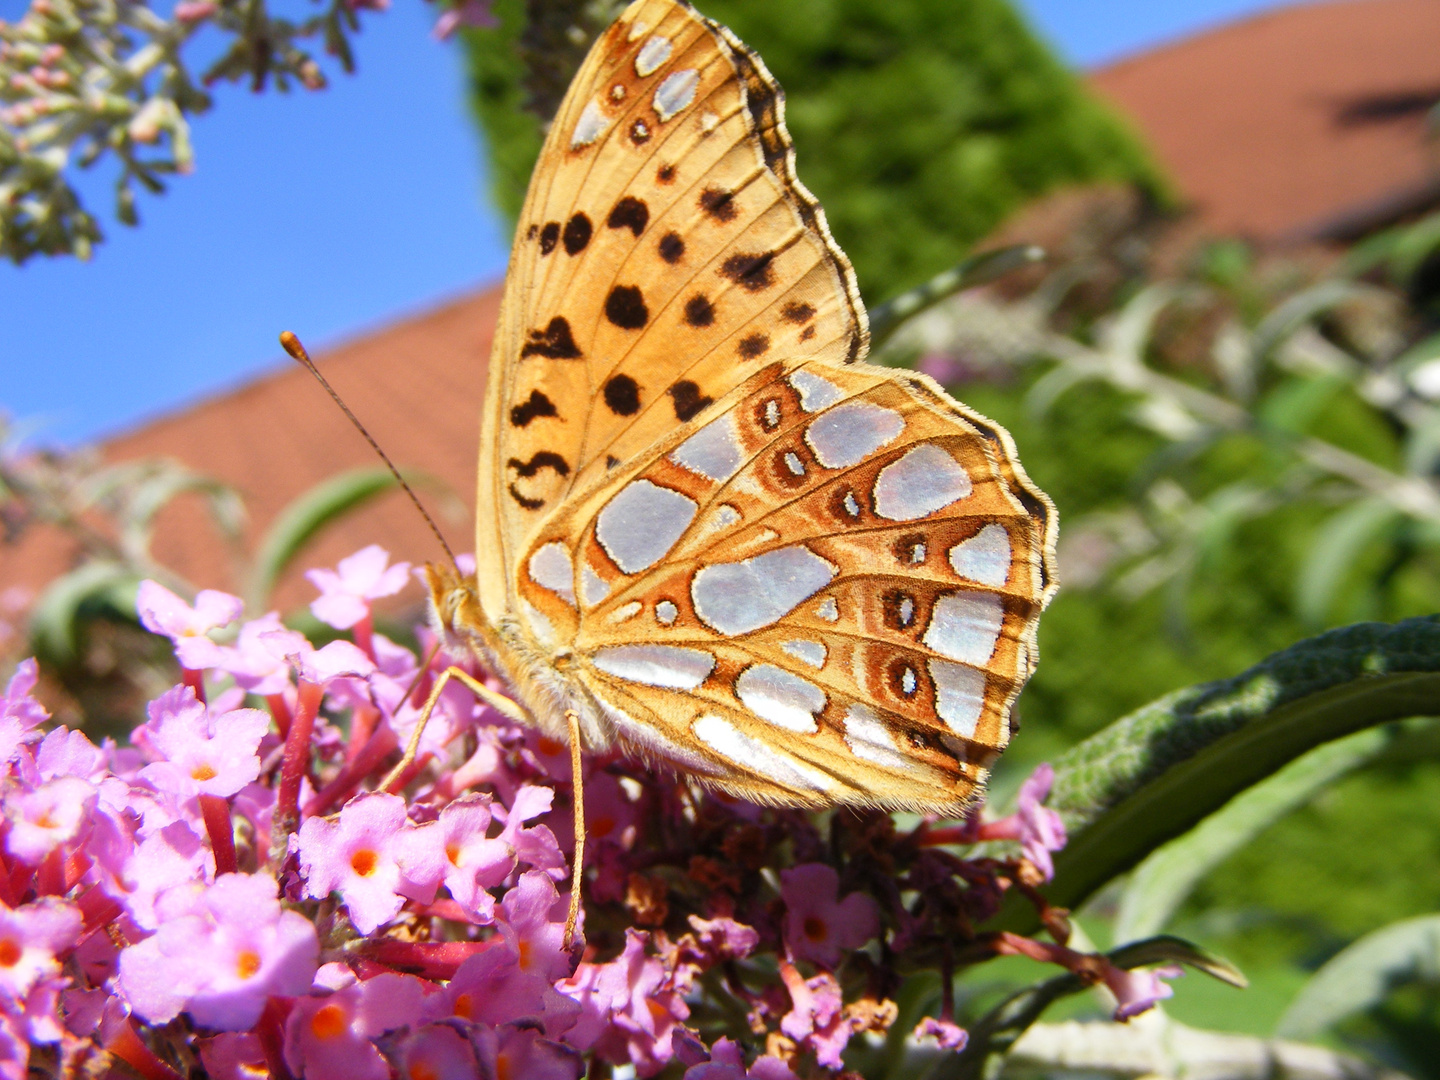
column 949, row 1036
column 219, row 954
column 232, row 1056
column 337, row 660
column 345, row 596
column 629, row 1008
column 537, row 845
column 69, row 753
column 204, row 753
column 330, row 1037
column 727, row 1063
column 1138, row 991
column 257, row 659
column 528, row 926
column 162, row 612
column 20, row 713
column 465, row 13
column 437, row 1053
column 373, row 857
column 171, row 856
column 31, row 938
column 50, row 815
column 490, row 988
column 816, row 1018
column 474, row 862
column 1038, row 828
column 817, row 926
column 724, row 939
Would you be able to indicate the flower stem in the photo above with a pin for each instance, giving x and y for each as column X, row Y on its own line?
column 296, row 761
column 216, row 812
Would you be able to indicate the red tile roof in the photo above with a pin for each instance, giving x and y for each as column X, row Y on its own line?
column 1302, row 123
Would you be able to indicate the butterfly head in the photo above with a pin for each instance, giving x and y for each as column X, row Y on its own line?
column 455, row 613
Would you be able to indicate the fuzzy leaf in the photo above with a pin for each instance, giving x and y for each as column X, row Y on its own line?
column 1158, row 772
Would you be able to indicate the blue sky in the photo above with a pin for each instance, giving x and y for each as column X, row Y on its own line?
column 328, row 214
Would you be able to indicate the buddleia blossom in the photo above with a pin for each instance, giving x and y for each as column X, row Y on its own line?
column 237, row 877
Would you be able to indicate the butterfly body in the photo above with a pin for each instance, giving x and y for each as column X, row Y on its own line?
column 705, row 526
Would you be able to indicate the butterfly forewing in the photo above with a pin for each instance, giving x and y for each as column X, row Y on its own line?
column 703, row 524
column 659, row 260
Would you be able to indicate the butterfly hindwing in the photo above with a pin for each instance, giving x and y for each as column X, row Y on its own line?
column 841, row 573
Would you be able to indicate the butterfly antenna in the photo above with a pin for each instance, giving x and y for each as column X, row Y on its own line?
column 291, row 345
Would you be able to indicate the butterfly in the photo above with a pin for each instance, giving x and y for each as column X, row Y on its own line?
column 709, row 533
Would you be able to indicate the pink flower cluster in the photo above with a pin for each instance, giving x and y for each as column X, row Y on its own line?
column 236, row 880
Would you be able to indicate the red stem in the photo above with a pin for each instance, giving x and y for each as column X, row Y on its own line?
column 362, row 725
column 280, row 713
column 196, row 681
column 297, row 759
column 216, row 812
column 409, row 774
column 433, row 959
column 127, row 1046
column 348, row 779
column 271, row 1033
column 50, row 876
column 364, row 634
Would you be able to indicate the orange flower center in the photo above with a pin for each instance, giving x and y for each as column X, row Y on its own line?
column 423, row 1070
column 45, row 821
column 815, row 928
column 603, row 826
column 452, row 852
column 203, row 772
column 464, row 1006
column 328, row 1022
column 524, row 956
column 247, row 963
column 363, row 862
column 10, row 952
column 548, row 746
column 502, row 1067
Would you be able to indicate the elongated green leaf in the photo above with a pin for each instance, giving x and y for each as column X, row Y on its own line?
column 54, row 622
column 310, row 512
column 1363, row 975
column 1158, row 772
column 1162, row 882
column 1340, row 542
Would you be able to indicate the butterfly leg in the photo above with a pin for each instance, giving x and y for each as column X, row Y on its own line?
column 499, row 702
column 578, row 862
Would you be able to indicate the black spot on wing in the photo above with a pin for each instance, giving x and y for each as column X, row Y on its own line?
column 532, row 232
column 665, row 174
column 625, row 307
column 544, row 459
column 719, row 204
column 699, row 311
column 549, row 236
column 750, row 272
column 555, row 341
column 629, row 213
column 578, row 231
column 688, row 399
column 753, row 345
column 622, row 395
column 528, row 504
column 797, row 312
column 639, row 133
column 537, row 404
column 671, row 247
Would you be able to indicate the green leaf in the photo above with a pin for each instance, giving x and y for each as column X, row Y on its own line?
column 1158, row 772
column 997, row 1031
column 1162, row 882
column 1298, row 310
column 310, row 512
column 1339, row 543
column 1364, row 974
column 54, row 622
